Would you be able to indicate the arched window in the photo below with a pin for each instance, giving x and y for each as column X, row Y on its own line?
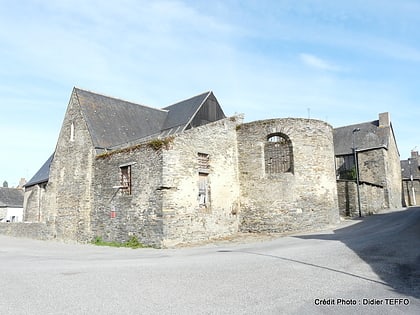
column 278, row 154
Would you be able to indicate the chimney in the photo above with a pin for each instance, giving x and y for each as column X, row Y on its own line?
column 415, row 155
column 384, row 120
column 22, row 183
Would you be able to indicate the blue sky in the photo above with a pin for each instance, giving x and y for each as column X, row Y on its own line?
column 339, row 61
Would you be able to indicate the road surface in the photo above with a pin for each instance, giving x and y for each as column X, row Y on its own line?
column 366, row 266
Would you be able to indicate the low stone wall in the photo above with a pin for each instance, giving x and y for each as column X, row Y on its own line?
column 372, row 198
column 40, row 231
column 411, row 193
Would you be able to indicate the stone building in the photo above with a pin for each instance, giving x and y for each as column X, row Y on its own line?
column 410, row 171
column 180, row 174
column 35, row 193
column 378, row 164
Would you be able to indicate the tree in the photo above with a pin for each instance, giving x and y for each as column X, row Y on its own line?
column 5, row 184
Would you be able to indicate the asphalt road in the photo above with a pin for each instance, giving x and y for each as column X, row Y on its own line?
column 367, row 266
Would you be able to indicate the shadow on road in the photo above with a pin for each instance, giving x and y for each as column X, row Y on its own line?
column 389, row 243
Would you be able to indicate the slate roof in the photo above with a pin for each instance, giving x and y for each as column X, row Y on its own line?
column 42, row 175
column 113, row 121
column 370, row 136
column 410, row 167
column 179, row 114
column 11, row 197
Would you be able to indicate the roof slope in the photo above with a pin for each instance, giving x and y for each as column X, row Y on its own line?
column 11, row 197
column 369, row 136
column 179, row 114
column 42, row 175
column 113, row 121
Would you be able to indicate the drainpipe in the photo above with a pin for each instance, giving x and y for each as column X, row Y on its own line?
column 39, row 202
column 413, row 192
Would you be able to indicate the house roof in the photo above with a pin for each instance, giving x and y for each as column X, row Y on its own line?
column 179, row 114
column 410, row 168
column 112, row 121
column 11, row 197
column 42, row 175
column 369, row 136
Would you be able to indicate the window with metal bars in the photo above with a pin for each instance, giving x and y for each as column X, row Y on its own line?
column 278, row 154
column 203, row 163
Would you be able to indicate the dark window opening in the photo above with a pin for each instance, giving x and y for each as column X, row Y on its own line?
column 203, row 161
column 203, row 195
column 278, row 154
column 125, row 180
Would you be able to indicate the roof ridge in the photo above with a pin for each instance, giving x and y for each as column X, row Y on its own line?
column 186, row 99
column 358, row 124
column 119, row 99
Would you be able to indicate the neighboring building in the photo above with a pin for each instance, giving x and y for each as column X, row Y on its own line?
column 35, row 193
column 378, row 163
column 181, row 174
column 11, row 205
column 410, row 170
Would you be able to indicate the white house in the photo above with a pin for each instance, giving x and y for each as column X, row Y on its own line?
column 11, row 205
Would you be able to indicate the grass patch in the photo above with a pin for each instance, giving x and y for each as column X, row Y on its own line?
column 155, row 144
column 158, row 144
column 133, row 242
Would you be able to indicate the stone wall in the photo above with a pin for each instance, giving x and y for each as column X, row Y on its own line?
column 34, row 201
column 372, row 198
column 372, row 167
column 163, row 208
column 304, row 198
column 393, row 178
column 40, row 231
column 186, row 217
column 68, row 194
column 411, row 193
column 118, row 215
column 381, row 166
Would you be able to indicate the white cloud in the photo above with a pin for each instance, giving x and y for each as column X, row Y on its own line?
column 318, row 63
